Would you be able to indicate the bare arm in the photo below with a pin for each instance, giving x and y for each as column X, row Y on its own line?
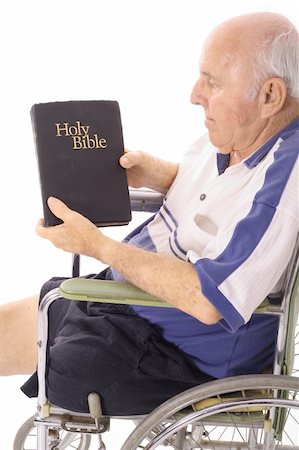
column 168, row 278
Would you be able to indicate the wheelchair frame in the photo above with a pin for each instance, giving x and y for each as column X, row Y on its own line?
column 175, row 422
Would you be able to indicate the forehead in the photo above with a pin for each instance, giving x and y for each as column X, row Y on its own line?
column 224, row 53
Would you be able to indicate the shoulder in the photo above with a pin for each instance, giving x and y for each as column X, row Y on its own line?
column 288, row 142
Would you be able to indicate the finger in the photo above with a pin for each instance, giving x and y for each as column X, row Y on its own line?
column 40, row 228
column 49, row 233
column 58, row 208
column 41, row 223
column 130, row 159
column 125, row 162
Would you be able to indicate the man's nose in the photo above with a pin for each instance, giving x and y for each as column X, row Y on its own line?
column 198, row 96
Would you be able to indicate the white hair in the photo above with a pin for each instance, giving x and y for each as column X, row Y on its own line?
column 278, row 56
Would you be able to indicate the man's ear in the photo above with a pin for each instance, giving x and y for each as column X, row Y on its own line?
column 272, row 97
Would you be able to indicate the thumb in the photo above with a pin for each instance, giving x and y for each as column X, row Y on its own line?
column 58, row 208
column 131, row 159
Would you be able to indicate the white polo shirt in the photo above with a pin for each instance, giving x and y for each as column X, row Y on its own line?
column 237, row 225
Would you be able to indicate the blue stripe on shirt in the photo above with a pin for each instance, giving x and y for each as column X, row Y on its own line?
column 257, row 156
column 172, row 225
column 250, row 230
column 165, row 221
column 180, row 248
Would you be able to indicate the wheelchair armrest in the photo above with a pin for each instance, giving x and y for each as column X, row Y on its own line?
column 108, row 292
column 145, row 200
column 263, row 307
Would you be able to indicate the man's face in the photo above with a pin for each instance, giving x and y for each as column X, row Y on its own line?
column 232, row 120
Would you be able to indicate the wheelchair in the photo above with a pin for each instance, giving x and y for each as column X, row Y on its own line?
column 259, row 411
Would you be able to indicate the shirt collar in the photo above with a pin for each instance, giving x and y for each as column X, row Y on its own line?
column 222, row 162
column 258, row 155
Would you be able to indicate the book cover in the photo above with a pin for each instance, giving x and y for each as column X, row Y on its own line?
column 78, row 146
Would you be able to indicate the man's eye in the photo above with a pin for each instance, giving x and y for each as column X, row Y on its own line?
column 213, row 84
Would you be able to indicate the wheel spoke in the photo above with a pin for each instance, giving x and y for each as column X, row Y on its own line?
column 246, row 418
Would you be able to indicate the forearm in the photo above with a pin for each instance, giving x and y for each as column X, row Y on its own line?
column 168, row 278
column 162, row 175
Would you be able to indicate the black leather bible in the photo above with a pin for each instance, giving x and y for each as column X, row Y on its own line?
column 78, row 146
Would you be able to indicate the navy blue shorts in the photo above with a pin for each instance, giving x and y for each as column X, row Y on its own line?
column 109, row 349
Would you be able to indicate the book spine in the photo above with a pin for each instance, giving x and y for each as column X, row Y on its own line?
column 38, row 159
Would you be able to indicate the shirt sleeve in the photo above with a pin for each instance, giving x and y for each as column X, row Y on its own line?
column 237, row 281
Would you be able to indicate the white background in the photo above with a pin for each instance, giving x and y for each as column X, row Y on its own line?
column 143, row 54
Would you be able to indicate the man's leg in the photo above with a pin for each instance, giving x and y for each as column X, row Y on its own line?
column 18, row 337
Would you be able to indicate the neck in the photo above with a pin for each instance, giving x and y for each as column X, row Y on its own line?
column 235, row 158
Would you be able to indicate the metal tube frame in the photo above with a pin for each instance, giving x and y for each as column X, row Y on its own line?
column 43, row 405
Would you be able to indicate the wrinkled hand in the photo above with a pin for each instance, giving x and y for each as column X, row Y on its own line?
column 76, row 234
column 145, row 170
column 138, row 167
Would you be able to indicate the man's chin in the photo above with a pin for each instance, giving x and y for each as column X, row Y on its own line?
column 217, row 142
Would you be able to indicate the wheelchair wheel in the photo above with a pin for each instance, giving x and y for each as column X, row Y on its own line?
column 26, row 438
column 245, row 412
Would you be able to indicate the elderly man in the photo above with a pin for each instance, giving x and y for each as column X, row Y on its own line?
column 219, row 245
